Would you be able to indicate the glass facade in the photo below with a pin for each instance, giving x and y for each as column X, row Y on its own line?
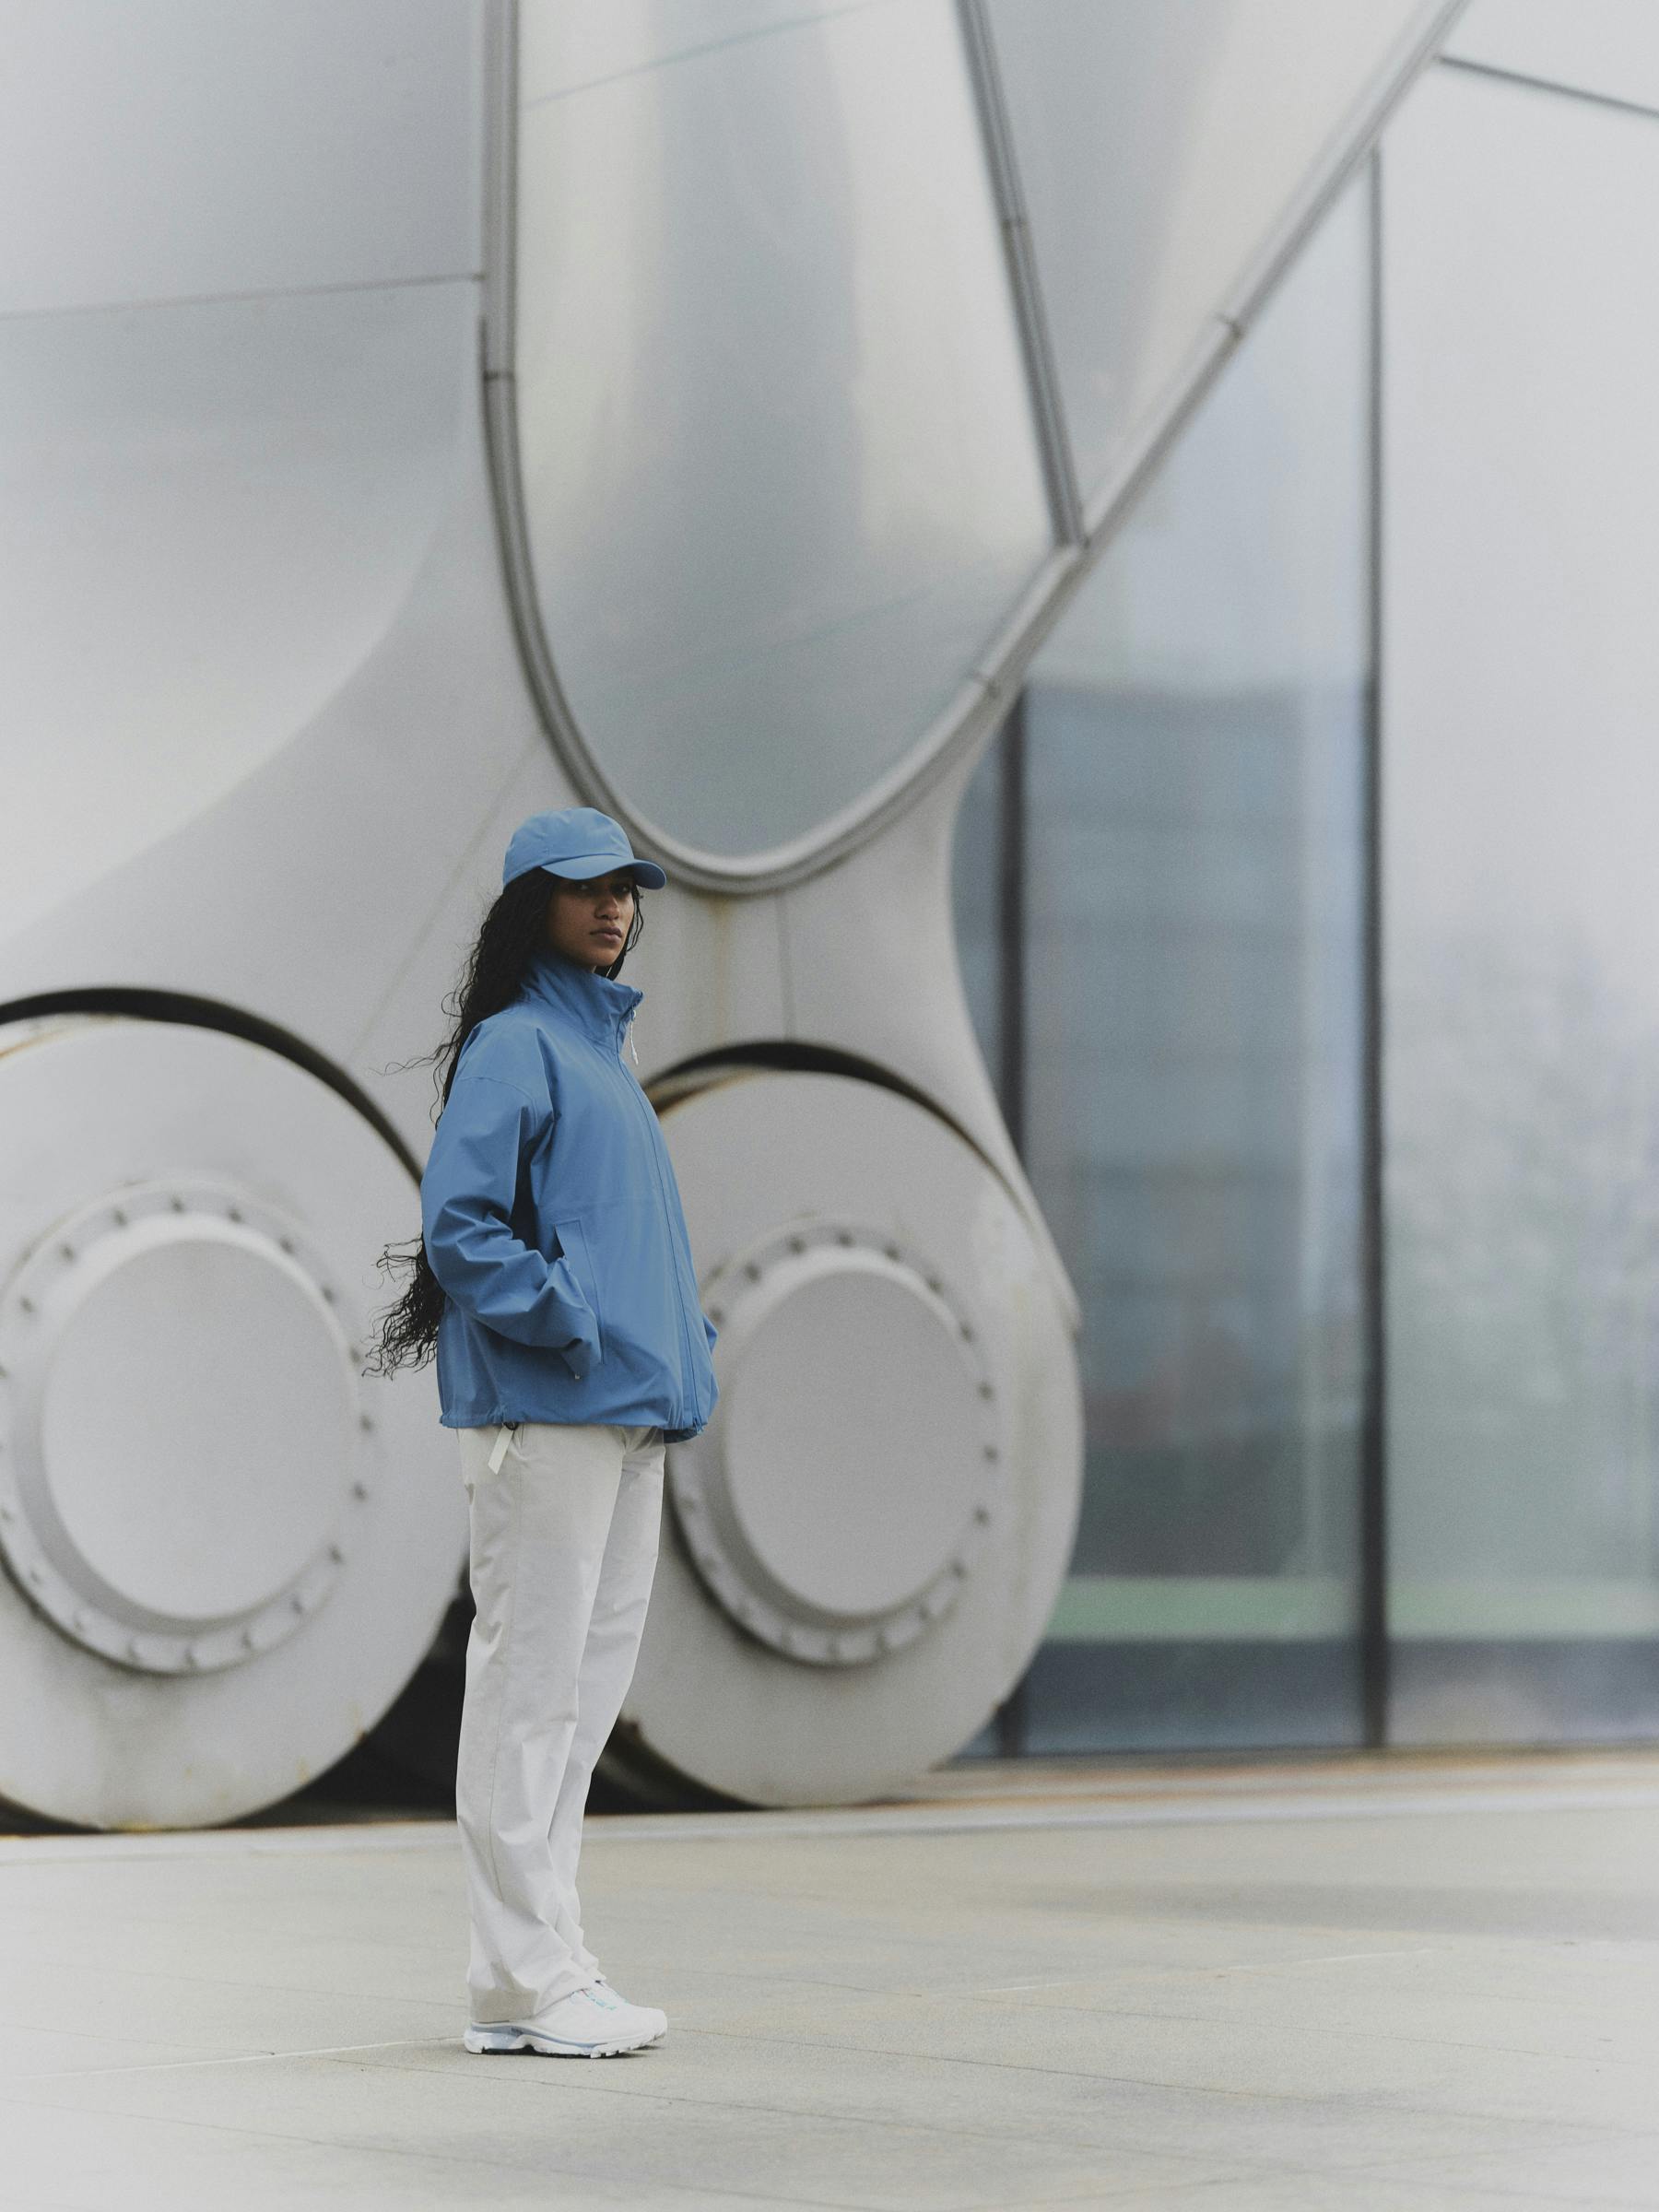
column 1314, row 961
column 1522, row 1041
column 1194, row 737
column 1606, row 46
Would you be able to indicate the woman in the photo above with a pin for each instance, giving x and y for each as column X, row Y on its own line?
column 554, row 1277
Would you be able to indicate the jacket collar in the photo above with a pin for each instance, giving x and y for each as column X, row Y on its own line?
column 602, row 1005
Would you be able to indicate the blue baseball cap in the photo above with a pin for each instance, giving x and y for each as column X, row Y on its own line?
column 576, row 841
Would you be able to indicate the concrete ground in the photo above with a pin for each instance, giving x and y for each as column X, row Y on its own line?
column 1383, row 1985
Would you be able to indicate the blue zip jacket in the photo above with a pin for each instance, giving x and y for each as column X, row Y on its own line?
column 552, row 1218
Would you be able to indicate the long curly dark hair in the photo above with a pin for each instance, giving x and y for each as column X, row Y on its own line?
column 516, row 926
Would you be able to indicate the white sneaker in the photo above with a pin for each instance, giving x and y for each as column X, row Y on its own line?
column 601, row 1991
column 594, row 2023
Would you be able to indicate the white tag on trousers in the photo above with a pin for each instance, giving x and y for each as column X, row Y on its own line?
column 500, row 1453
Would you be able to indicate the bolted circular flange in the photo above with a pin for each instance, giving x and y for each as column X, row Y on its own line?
column 158, row 1347
column 840, row 1550
column 187, row 1430
column 849, row 1469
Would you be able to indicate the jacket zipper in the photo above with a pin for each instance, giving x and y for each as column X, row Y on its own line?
column 680, row 1294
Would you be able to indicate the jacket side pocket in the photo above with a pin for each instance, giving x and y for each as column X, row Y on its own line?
column 573, row 1243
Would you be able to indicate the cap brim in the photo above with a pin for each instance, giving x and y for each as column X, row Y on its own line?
column 646, row 871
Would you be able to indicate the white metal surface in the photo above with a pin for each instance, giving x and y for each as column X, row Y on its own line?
column 227, row 1549
column 189, row 149
column 214, row 512
column 785, row 488
column 896, row 1457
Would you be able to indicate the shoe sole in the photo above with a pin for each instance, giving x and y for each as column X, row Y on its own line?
column 499, row 2041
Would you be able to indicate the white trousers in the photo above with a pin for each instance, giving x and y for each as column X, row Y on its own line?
column 565, row 1526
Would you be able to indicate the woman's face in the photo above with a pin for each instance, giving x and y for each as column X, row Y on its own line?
column 589, row 921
